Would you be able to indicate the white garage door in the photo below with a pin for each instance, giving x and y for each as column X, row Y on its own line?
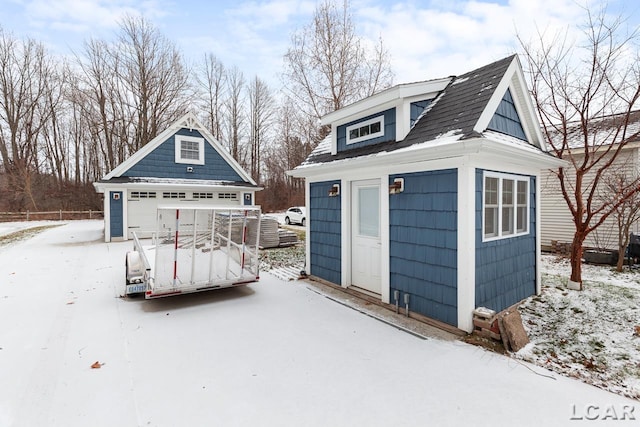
column 142, row 205
column 141, row 212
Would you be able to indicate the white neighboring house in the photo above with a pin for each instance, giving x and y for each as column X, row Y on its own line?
column 182, row 165
column 557, row 226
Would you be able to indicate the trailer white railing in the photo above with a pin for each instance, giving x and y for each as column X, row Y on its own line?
column 199, row 248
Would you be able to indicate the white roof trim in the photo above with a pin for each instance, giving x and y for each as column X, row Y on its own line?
column 446, row 147
column 188, row 121
column 513, row 79
column 387, row 96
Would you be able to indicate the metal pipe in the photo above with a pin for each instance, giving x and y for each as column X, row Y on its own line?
column 396, row 296
column 406, row 304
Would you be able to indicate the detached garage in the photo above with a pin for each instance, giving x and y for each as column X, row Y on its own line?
column 184, row 164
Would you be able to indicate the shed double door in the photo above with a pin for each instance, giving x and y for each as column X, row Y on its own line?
column 365, row 235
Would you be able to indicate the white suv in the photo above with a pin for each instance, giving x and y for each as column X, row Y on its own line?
column 296, row 215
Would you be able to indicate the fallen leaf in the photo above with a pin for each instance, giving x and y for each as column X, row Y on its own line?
column 637, row 331
column 97, row 365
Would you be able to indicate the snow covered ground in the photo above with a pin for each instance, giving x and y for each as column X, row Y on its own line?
column 73, row 352
column 592, row 334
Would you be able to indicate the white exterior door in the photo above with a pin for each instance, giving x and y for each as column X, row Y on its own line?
column 365, row 235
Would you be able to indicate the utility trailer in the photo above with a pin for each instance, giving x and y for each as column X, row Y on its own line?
column 195, row 249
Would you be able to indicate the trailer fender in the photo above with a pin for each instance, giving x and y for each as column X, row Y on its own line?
column 134, row 268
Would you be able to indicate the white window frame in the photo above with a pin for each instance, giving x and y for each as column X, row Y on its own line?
column 183, row 138
column 201, row 195
column 173, row 195
column 142, row 194
column 363, row 124
column 228, row 196
column 500, row 234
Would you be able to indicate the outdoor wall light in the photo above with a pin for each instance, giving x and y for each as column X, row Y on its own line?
column 397, row 186
column 189, row 168
column 335, row 190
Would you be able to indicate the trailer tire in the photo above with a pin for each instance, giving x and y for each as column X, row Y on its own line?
column 126, row 270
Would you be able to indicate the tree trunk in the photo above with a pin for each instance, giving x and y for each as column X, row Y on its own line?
column 576, row 257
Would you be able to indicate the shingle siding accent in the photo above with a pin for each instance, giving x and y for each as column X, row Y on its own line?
column 423, row 243
column 160, row 163
column 389, row 131
column 506, row 119
column 325, row 232
column 505, row 268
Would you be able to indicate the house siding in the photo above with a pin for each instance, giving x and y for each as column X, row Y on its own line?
column 505, row 268
column 116, row 214
column 160, row 163
column 423, row 243
column 389, row 131
column 506, row 119
column 325, row 232
column 556, row 220
column 416, row 108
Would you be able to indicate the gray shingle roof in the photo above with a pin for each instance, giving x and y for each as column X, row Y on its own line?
column 455, row 110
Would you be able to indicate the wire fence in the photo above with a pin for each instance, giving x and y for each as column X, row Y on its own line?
column 58, row 215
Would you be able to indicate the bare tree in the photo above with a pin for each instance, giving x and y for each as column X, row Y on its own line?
column 26, row 82
column 211, row 81
column 291, row 145
column 234, row 105
column 55, row 134
column 585, row 94
column 153, row 73
column 328, row 66
column 627, row 213
column 127, row 92
column 261, row 114
column 100, row 96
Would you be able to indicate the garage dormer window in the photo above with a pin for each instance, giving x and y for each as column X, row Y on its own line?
column 189, row 149
column 365, row 130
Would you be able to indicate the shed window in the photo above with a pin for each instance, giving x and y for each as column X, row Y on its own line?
column 505, row 206
column 365, row 130
column 189, row 150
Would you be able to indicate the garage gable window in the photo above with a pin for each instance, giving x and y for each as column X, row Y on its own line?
column 189, row 150
column 505, row 200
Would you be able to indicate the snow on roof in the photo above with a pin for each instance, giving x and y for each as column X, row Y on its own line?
column 602, row 131
column 180, row 181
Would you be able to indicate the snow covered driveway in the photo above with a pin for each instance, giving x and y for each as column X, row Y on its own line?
column 270, row 354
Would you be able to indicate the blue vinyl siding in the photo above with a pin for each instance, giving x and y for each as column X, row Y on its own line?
column 160, row 163
column 116, row 214
column 416, row 109
column 389, row 131
column 325, row 232
column 423, row 243
column 506, row 120
column 505, row 268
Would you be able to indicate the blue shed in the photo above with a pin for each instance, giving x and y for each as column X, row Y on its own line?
column 184, row 164
column 429, row 192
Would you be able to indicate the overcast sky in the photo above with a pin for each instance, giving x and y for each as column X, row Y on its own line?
column 426, row 38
